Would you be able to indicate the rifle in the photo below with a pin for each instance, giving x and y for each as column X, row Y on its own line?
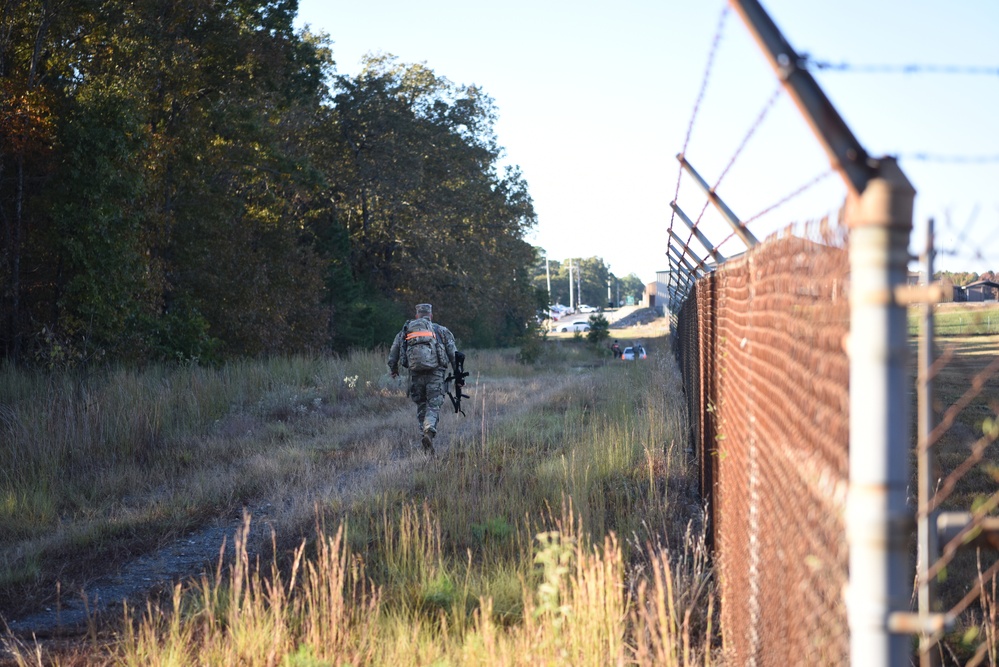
column 458, row 376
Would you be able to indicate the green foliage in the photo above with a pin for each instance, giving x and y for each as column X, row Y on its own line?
column 495, row 528
column 590, row 277
column 180, row 334
column 632, row 285
column 554, row 555
column 963, row 277
column 106, row 282
column 533, row 345
column 305, row 656
column 182, row 182
column 590, row 280
column 599, row 329
column 428, row 214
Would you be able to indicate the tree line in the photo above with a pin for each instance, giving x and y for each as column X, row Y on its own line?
column 963, row 278
column 593, row 283
column 194, row 181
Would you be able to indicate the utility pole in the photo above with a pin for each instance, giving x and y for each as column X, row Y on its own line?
column 579, row 286
column 548, row 275
column 610, row 299
column 571, row 302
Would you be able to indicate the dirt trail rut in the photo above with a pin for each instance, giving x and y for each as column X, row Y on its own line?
column 198, row 552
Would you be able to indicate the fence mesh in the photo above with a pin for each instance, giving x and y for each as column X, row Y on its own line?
column 960, row 414
column 761, row 346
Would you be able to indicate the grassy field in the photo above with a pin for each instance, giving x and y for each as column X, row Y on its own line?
column 960, row 319
column 966, row 404
column 559, row 524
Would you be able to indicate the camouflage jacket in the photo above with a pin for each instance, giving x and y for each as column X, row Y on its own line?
column 396, row 352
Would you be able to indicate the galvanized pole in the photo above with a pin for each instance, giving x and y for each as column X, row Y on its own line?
column 878, row 522
column 929, row 547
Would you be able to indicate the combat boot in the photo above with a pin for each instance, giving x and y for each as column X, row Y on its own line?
column 428, row 442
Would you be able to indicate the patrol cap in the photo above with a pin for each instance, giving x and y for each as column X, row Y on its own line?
column 424, row 308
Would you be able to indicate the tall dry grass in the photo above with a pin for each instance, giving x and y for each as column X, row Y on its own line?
column 90, row 460
column 559, row 526
column 582, row 606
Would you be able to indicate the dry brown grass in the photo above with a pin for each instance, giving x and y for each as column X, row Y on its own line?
column 450, row 560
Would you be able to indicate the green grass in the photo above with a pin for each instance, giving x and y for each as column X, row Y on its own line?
column 967, row 444
column 960, row 319
column 85, row 459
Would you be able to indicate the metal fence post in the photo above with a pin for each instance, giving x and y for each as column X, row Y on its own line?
column 878, row 521
column 929, row 548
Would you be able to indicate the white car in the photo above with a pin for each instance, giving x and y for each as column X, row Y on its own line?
column 633, row 353
column 579, row 325
column 558, row 310
column 587, row 309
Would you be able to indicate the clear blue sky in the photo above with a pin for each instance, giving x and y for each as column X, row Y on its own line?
column 595, row 99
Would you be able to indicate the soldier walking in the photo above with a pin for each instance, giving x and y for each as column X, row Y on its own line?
column 426, row 349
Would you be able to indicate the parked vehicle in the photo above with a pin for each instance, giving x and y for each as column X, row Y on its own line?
column 558, row 311
column 583, row 308
column 579, row 325
column 633, row 353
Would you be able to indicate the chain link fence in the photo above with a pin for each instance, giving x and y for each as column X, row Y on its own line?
column 761, row 347
column 957, row 415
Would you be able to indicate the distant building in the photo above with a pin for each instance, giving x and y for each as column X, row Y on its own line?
column 649, row 298
column 658, row 292
column 982, row 290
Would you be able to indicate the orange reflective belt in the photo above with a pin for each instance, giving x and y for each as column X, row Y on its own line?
column 418, row 334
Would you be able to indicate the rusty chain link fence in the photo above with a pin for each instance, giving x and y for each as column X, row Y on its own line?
column 762, row 347
column 760, row 344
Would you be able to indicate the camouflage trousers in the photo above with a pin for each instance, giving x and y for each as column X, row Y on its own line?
column 427, row 391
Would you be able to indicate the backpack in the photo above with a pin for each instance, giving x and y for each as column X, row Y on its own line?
column 422, row 348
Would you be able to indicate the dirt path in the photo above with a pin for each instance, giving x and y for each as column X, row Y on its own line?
column 370, row 470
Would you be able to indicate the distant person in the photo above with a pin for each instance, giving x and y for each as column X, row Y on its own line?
column 426, row 349
column 616, row 349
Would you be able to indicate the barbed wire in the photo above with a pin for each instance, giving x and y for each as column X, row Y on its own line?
column 768, row 105
column 807, row 62
column 703, row 262
column 950, row 159
column 752, row 129
column 715, row 41
column 788, row 197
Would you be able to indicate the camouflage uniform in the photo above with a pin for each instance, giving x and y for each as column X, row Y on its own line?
column 426, row 388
